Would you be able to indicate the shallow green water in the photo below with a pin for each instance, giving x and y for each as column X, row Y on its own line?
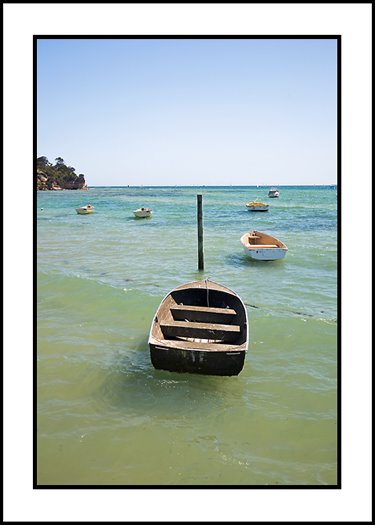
column 106, row 416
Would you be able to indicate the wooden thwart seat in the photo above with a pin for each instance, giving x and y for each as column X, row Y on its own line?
column 210, row 331
column 211, row 347
column 202, row 314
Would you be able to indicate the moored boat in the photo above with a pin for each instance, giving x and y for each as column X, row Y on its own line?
column 263, row 247
column 84, row 210
column 142, row 212
column 257, row 206
column 200, row 327
column 273, row 192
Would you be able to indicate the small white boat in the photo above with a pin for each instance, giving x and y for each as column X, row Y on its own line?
column 257, row 206
column 84, row 210
column 263, row 247
column 142, row 212
column 273, row 192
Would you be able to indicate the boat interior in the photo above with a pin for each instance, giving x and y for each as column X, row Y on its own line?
column 261, row 240
column 198, row 316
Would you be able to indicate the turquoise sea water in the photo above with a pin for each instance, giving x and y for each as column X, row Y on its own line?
column 105, row 416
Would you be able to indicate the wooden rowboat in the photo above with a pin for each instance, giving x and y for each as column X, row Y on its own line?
column 263, row 247
column 200, row 327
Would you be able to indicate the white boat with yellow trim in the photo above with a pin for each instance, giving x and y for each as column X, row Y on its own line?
column 257, row 206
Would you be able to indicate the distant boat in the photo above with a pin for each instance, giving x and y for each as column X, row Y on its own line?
column 273, row 192
column 200, row 327
column 263, row 247
column 84, row 210
column 142, row 212
column 257, row 206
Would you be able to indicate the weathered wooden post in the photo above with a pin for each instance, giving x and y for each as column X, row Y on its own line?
column 200, row 233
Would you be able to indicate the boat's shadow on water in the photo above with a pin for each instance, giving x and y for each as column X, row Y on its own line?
column 133, row 384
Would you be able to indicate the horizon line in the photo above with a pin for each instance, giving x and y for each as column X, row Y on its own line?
column 205, row 185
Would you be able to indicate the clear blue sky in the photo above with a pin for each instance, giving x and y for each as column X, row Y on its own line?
column 186, row 111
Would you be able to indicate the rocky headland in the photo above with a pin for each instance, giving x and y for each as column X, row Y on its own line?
column 58, row 176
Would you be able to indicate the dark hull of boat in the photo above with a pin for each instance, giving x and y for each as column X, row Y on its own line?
column 198, row 362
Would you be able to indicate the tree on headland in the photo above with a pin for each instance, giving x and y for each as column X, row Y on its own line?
column 57, row 176
column 42, row 162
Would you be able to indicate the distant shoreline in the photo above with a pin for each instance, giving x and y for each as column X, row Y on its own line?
column 219, row 186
